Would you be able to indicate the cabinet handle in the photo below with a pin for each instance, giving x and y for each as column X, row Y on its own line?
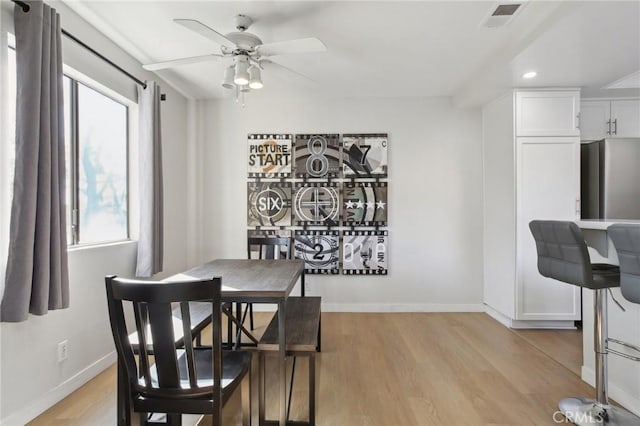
column 578, row 121
column 578, row 208
column 615, row 126
column 608, row 127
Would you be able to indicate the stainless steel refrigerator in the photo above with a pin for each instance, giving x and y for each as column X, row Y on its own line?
column 610, row 179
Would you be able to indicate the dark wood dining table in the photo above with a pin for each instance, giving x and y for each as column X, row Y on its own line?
column 250, row 281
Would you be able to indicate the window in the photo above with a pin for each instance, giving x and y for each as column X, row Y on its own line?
column 96, row 144
column 99, row 200
column 11, row 112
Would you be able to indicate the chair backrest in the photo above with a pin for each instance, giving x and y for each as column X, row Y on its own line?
column 626, row 239
column 562, row 252
column 269, row 248
column 167, row 336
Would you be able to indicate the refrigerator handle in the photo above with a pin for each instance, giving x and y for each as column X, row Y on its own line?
column 615, row 126
column 609, row 127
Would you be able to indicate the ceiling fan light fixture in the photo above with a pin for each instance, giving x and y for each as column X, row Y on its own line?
column 242, row 72
column 255, row 81
column 229, row 74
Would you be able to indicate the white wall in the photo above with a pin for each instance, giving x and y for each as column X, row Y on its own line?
column 499, row 205
column 31, row 379
column 435, row 194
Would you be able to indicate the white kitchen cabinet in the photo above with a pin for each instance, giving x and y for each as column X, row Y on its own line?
column 609, row 118
column 548, row 113
column 526, row 178
column 548, row 184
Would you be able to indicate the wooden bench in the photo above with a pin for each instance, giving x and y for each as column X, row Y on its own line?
column 302, row 324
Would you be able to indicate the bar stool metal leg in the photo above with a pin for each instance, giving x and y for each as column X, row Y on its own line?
column 585, row 411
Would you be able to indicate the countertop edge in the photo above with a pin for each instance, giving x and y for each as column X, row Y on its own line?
column 602, row 224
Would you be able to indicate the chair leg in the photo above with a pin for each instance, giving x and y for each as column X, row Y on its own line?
column 600, row 335
column 261, row 390
column 245, row 391
column 229, row 332
column 319, row 345
column 250, row 306
column 238, row 332
column 293, row 373
column 589, row 411
column 312, row 389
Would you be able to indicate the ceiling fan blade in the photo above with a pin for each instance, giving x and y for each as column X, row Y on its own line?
column 269, row 63
column 303, row 45
column 206, row 31
column 182, row 61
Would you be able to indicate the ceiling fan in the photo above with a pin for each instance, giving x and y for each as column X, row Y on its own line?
column 245, row 53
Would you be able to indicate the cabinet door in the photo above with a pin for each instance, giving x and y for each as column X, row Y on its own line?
column 547, row 113
column 548, row 188
column 594, row 120
column 625, row 118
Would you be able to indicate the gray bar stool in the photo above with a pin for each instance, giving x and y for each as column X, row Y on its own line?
column 563, row 255
column 626, row 239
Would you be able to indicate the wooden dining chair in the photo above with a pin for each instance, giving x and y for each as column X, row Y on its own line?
column 267, row 248
column 170, row 375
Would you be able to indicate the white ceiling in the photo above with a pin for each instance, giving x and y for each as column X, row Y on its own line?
column 391, row 48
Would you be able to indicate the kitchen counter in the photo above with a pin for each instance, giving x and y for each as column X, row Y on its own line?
column 602, row 224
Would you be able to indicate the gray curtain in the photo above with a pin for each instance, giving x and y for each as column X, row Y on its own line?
column 150, row 243
column 37, row 277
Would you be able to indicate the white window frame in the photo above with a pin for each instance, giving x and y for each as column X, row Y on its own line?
column 132, row 119
column 6, row 27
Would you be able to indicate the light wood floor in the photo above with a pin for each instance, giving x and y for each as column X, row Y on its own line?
column 565, row 346
column 399, row 369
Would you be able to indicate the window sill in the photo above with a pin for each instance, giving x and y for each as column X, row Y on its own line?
column 83, row 247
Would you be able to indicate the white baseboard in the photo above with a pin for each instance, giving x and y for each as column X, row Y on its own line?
column 58, row 393
column 622, row 397
column 544, row 324
column 386, row 307
column 526, row 324
column 498, row 316
column 402, row 307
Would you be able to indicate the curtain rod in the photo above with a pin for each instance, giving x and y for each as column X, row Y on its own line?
column 25, row 8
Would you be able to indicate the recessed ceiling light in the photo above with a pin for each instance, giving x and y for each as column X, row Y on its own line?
column 529, row 74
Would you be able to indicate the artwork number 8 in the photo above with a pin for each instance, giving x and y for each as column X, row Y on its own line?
column 317, row 162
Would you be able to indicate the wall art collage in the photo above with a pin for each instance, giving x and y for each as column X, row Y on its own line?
column 326, row 191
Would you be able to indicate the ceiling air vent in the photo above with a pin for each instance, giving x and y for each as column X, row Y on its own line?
column 501, row 15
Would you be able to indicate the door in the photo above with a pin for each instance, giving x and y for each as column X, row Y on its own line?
column 548, row 188
column 594, row 120
column 625, row 118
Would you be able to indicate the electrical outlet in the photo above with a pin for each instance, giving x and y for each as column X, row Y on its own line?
column 63, row 350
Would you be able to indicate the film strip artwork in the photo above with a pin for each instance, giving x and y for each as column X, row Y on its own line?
column 320, row 251
column 273, row 233
column 364, row 204
column 365, row 252
column 317, row 156
column 269, row 155
column 269, row 203
column 316, row 204
column 364, row 155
